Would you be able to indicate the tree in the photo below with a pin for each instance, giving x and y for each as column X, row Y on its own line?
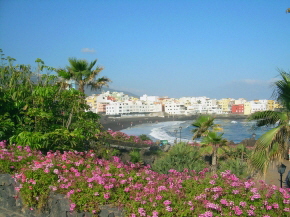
column 273, row 145
column 203, row 125
column 35, row 111
column 83, row 74
column 288, row 10
column 214, row 140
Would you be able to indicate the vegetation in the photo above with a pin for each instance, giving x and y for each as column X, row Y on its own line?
column 214, row 140
column 181, row 156
column 37, row 111
column 89, row 182
column 82, row 73
column 205, row 127
column 40, row 112
column 144, row 137
column 274, row 144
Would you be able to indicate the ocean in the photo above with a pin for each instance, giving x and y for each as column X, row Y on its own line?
column 234, row 130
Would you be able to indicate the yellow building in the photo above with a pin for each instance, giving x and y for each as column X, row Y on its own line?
column 91, row 101
column 277, row 105
column 270, row 105
column 247, row 108
column 225, row 105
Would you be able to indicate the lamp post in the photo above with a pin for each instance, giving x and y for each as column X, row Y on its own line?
column 180, row 128
column 254, row 136
column 175, row 136
column 281, row 170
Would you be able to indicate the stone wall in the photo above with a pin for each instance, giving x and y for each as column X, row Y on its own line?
column 57, row 205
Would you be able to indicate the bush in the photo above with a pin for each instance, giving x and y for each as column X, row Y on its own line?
column 236, row 166
column 181, row 156
column 144, row 137
column 135, row 156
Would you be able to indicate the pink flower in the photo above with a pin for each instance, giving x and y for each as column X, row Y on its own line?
column 107, row 196
column 142, row 212
column 275, row 205
column 169, row 209
column 212, row 182
column 158, row 197
column 167, row 202
column 250, row 213
column 72, row 206
column 155, row 213
column 243, row 204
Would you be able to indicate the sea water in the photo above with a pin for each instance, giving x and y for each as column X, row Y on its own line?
column 234, row 130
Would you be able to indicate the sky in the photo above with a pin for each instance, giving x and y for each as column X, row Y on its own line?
column 175, row 48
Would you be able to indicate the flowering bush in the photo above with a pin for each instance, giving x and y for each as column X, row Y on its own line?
column 124, row 137
column 88, row 182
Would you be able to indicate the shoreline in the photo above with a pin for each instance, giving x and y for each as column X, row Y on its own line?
column 121, row 123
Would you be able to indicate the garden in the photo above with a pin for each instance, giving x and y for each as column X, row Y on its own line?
column 51, row 142
column 90, row 182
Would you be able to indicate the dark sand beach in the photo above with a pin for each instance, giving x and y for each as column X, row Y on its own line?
column 120, row 123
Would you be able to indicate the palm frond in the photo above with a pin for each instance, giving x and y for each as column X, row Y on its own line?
column 267, row 150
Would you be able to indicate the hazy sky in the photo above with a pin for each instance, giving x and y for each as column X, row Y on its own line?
column 217, row 48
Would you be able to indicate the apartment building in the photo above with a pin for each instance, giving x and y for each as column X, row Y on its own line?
column 130, row 107
column 226, row 105
column 174, row 108
column 238, row 109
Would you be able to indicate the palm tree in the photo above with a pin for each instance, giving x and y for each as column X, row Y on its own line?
column 273, row 145
column 203, row 125
column 83, row 74
column 214, row 140
column 288, row 10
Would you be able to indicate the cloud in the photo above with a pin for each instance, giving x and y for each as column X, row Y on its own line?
column 88, row 50
column 257, row 82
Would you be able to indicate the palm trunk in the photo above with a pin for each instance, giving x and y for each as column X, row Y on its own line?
column 81, row 87
column 214, row 158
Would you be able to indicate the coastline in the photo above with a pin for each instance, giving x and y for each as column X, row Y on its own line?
column 120, row 123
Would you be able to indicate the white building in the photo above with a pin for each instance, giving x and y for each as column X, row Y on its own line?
column 147, row 98
column 174, row 108
column 129, row 107
column 258, row 106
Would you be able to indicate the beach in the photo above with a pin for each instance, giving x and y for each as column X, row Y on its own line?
column 120, row 123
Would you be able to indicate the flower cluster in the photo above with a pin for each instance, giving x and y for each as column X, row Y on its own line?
column 124, row 137
column 89, row 182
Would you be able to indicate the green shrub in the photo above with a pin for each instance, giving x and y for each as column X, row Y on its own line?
column 144, row 137
column 181, row 156
column 236, row 165
column 135, row 156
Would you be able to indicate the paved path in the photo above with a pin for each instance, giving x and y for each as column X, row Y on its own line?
column 273, row 177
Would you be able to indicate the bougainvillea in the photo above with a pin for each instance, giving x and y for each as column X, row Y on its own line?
column 88, row 182
column 117, row 135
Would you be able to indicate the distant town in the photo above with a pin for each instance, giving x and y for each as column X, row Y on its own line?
column 120, row 104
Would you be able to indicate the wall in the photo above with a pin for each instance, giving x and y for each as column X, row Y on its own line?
column 57, row 205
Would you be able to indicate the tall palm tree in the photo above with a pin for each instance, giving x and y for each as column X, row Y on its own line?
column 203, row 125
column 83, row 74
column 214, row 140
column 273, row 145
